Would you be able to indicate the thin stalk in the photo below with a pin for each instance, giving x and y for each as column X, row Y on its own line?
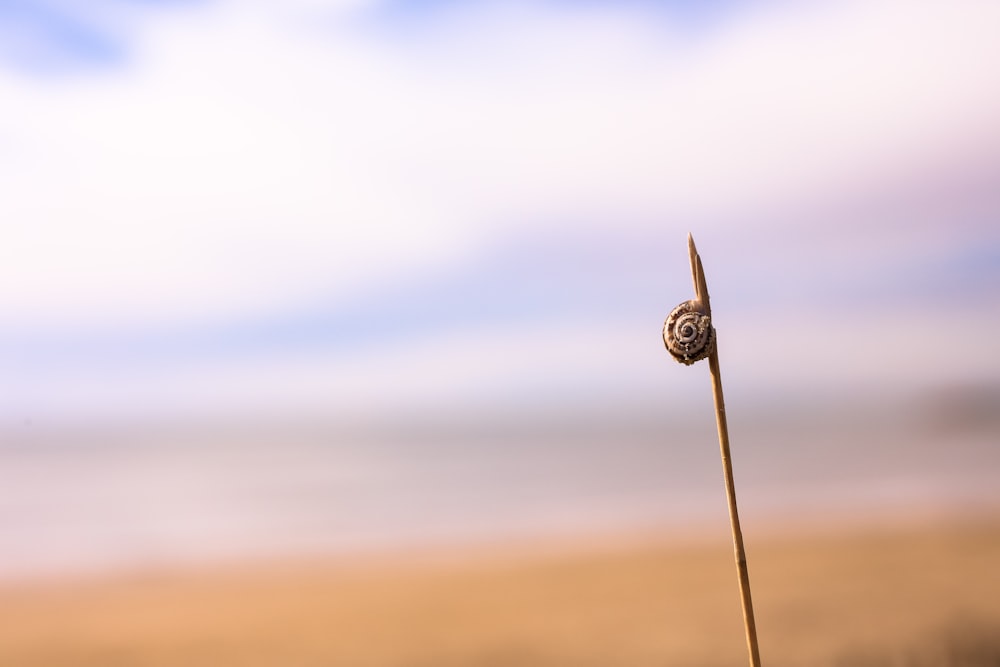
column 734, row 517
column 701, row 294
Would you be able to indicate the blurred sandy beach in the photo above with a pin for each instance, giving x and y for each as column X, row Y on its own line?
column 923, row 591
column 873, row 534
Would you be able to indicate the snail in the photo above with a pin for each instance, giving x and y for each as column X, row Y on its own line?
column 688, row 333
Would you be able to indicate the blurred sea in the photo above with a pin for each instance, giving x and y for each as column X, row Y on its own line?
column 98, row 498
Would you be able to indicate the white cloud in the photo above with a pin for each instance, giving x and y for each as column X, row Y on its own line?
column 237, row 164
column 245, row 161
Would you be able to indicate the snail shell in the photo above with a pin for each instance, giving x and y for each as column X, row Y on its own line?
column 688, row 333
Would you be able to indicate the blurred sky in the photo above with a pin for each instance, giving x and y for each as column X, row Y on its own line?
column 365, row 207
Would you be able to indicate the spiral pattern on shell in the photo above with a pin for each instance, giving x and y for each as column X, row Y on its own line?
column 688, row 333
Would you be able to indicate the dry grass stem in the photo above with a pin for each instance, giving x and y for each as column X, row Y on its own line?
column 702, row 298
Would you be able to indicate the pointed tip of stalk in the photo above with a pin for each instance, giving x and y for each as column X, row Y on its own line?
column 693, row 257
column 698, row 276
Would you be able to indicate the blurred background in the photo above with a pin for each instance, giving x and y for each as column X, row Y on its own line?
column 333, row 276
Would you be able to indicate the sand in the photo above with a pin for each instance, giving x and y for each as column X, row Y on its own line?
column 858, row 597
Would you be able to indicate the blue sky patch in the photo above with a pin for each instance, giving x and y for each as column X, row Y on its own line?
column 61, row 37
